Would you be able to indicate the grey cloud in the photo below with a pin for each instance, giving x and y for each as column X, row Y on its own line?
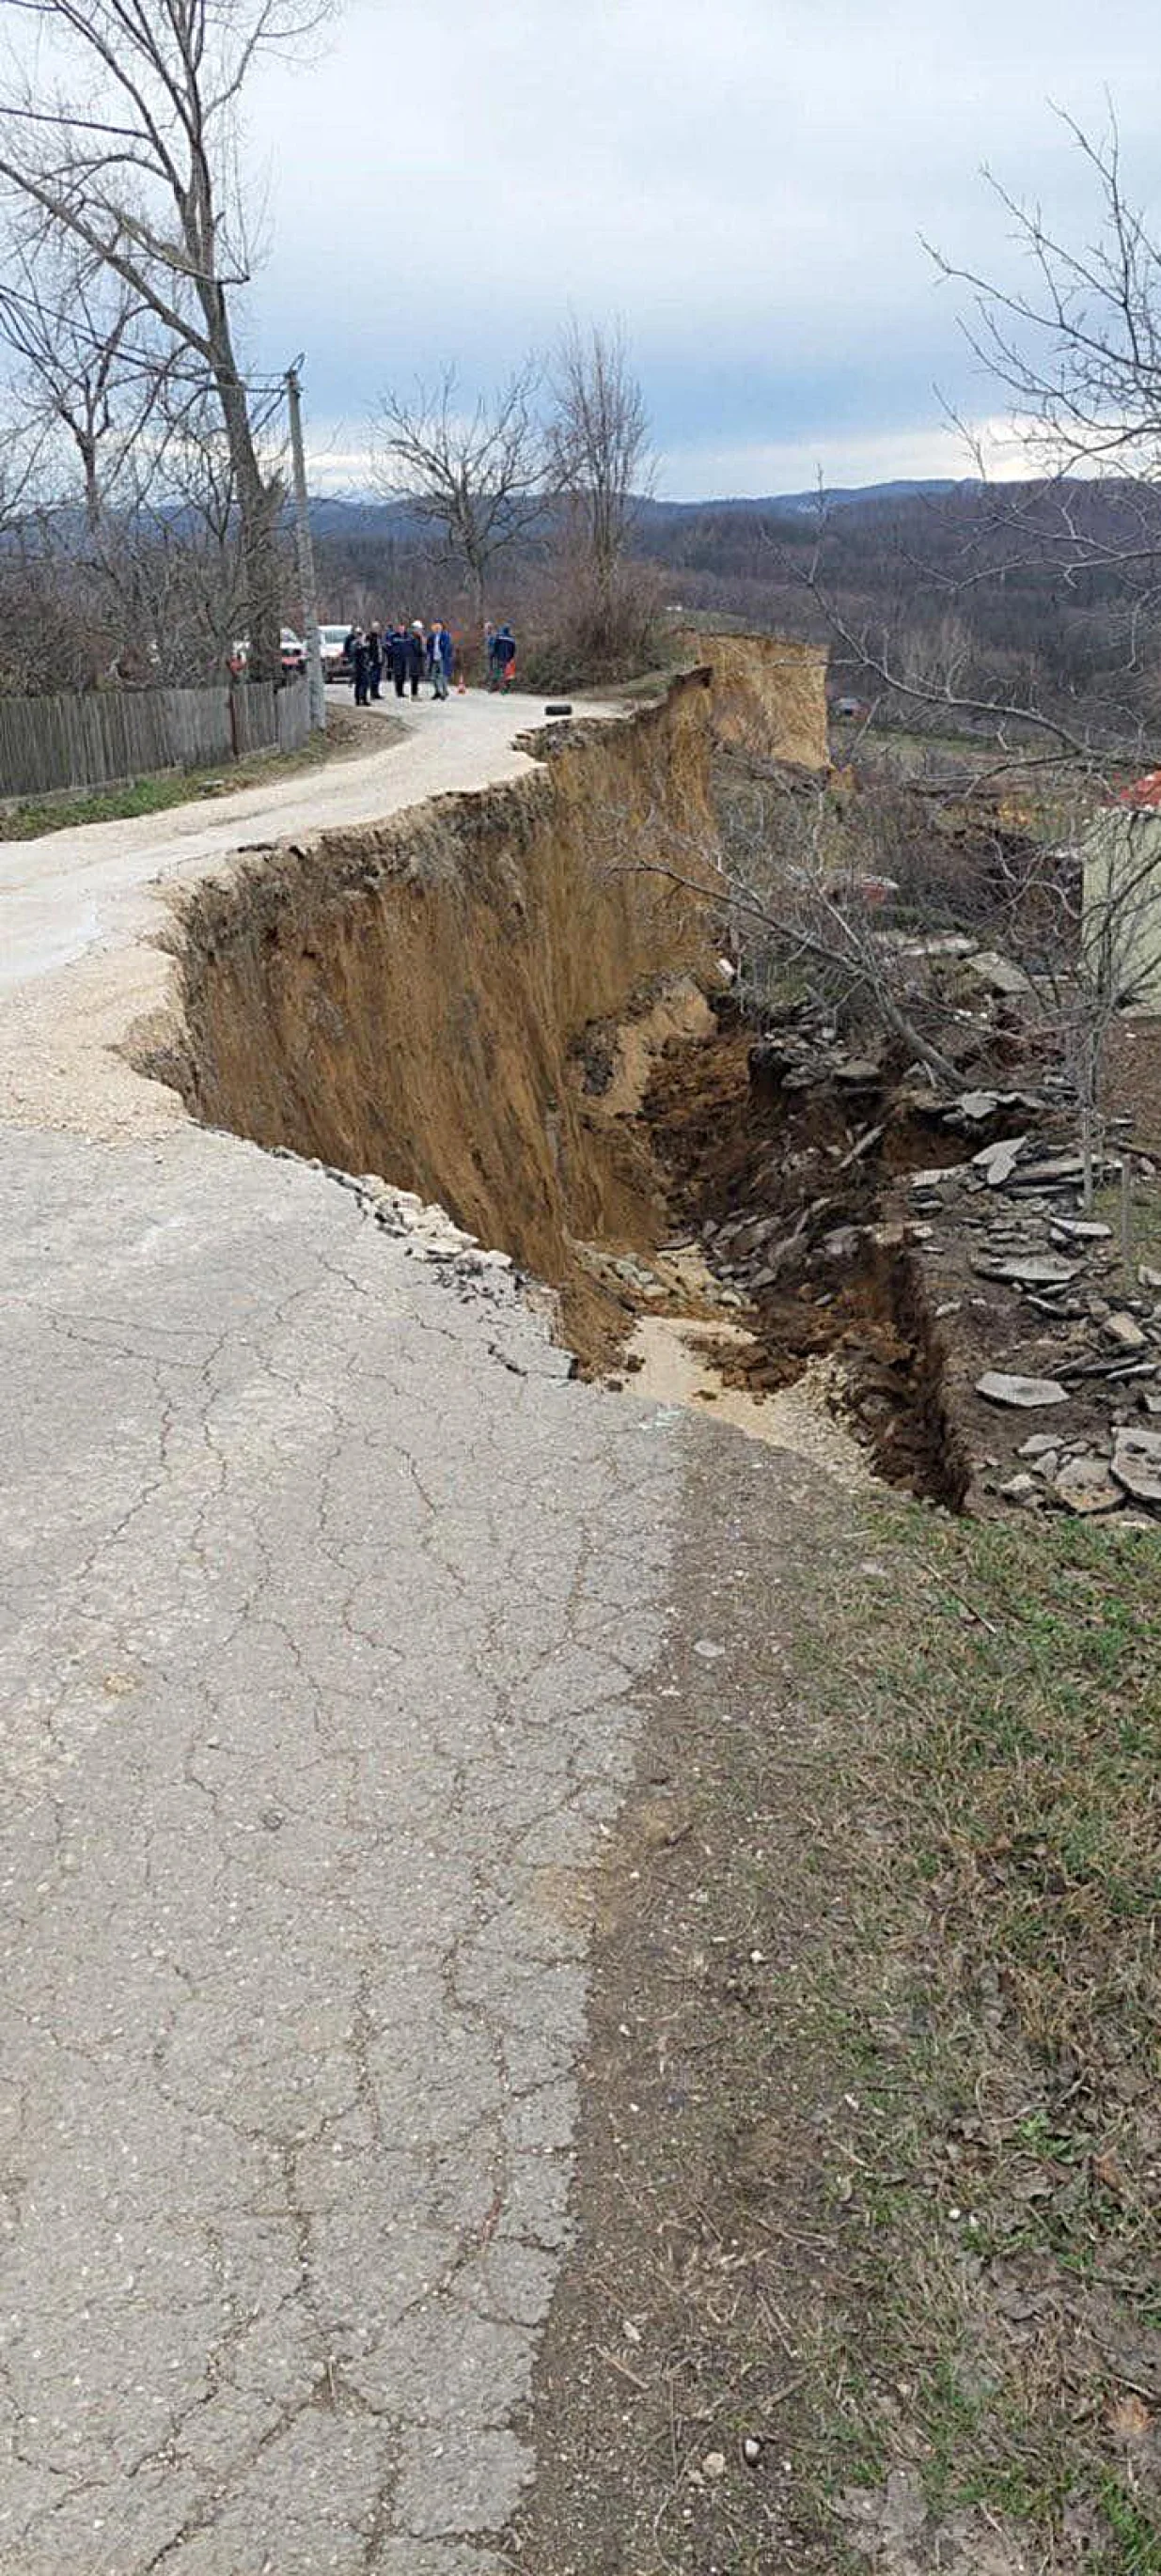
column 743, row 186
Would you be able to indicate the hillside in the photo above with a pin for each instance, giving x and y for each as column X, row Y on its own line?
column 1020, row 592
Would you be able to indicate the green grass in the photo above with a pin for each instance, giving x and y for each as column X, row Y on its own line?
column 31, row 820
column 995, row 2013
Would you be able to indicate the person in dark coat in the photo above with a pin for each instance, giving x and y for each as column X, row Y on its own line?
column 374, row 658
column 416, row 656
column 505, row 651
column 397, row 655
column 357, row 657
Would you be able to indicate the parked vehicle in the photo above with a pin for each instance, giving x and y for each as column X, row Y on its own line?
column 291, row 649
column 334, row 652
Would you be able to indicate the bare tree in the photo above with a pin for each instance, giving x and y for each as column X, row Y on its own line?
column 168, row 560
column 1078, row 351
column 599, row 457
column 476, row 473
column 120, row 132
column 66, row 322
column 1075, row 346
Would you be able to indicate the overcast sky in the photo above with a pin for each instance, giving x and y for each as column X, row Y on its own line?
column 740, row 183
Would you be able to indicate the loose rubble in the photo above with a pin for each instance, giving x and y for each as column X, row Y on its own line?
column 428, row 1231
column 1018, row 1208
column 1019, row 1299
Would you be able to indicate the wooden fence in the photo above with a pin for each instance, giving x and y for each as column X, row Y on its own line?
column 114, row 735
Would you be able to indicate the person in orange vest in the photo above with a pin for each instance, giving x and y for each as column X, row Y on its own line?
column 505, row 651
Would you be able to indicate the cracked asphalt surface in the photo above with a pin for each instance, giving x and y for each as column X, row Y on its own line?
column 326, row 1600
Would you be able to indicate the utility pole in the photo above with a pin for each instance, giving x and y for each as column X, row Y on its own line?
column 311, row 637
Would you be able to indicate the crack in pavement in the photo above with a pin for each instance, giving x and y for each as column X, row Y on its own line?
column 322, row 1655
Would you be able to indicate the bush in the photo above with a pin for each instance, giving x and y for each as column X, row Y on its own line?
column 579, row 638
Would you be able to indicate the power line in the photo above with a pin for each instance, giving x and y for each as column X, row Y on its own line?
column 147, row 361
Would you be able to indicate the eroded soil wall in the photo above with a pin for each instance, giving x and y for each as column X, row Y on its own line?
column 769, row 694
column 403, row 999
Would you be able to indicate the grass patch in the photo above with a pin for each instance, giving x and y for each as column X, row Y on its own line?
column 33, row 819
column 867, row 2277
column 997, row 2187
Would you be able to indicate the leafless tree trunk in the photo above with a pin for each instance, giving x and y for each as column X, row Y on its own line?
column 599, row 456
column 476, row 474
column 169, row 559
column 121, row 137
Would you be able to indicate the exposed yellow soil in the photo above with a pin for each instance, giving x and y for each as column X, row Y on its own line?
column 405, row 998
column 769, row 694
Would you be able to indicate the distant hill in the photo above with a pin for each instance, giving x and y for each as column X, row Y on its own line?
column 363, row 512
column 987, row 589
column 800, row 504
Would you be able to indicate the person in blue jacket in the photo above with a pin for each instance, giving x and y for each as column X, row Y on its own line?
column 439, row 658
column 504, row 648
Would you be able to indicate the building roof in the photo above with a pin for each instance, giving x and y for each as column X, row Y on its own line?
column 1144, row 792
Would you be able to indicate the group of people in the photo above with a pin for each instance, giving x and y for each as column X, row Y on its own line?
column 404, row 654
column 407, row 655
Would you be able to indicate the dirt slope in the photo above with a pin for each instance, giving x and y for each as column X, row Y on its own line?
column 405, row 999
column 769, row 694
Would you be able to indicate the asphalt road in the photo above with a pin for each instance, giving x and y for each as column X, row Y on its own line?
column 326, row 1598
column 325, row 1603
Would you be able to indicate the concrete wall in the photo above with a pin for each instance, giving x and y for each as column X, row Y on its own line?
column 1122, row 902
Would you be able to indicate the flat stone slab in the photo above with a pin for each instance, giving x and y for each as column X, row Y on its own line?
column 1085, row 1486
column 1029, row 1393
column 1026, row 1270
column 1137, row 1464
column 998, row 1162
